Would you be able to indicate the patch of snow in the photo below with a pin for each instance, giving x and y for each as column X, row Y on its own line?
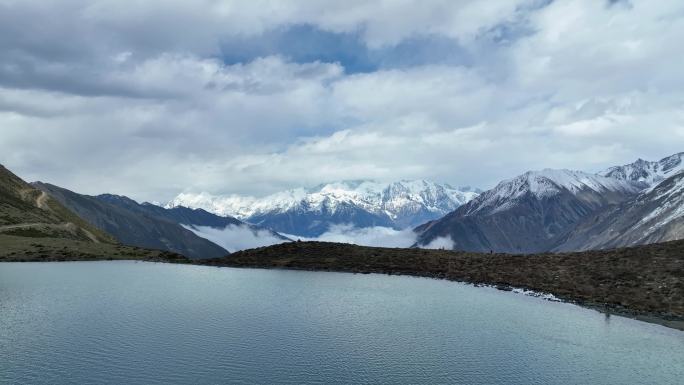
column 531, row 293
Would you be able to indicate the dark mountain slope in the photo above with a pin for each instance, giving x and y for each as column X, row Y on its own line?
column 200, row 217
column 134, row 224
column 196, row 217
column 656, row 215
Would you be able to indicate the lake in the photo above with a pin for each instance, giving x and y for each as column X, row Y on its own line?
column 150, row 323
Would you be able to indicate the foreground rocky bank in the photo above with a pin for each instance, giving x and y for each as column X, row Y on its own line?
column 645, row 282
column 45, row 249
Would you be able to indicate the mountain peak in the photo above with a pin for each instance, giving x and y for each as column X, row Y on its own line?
column 649, row 172
column 547, row 183
column 359, row 202
column 527, row 213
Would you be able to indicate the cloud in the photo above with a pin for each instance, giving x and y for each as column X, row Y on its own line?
column 149, row 99
column 440, row 243
column 370, row 236
column 234, row 238
column 200, row 25
column 377, row 237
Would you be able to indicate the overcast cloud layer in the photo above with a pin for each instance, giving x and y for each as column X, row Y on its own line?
column 152, row 98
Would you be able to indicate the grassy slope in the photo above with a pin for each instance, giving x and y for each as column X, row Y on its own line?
column 24, row 249
column 19, row 207
column 36, row 227
column 646, row 281
column 17, row 202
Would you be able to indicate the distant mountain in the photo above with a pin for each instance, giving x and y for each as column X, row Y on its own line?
column 645, row 171
column 311, row 212
column 195, row 218
column 141, row 225
column 528, row 213
column 180, row 215
column 655, row 215
column 28, row 212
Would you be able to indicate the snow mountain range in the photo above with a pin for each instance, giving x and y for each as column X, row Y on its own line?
column 311, row 212
column 549, row 183
column 648, row 172
column 528, row 213
column 537, row 211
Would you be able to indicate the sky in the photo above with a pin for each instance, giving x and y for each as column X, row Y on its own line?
column 152, row 98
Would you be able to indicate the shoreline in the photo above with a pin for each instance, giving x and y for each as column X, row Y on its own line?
column 608, row 309
column 644, row 283
column 652, row 318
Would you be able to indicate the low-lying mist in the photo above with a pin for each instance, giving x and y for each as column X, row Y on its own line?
column 234, row 238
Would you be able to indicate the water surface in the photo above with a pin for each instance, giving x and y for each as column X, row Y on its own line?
column 147, row 323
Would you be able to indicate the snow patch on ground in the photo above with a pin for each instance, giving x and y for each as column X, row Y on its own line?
column 531, row 293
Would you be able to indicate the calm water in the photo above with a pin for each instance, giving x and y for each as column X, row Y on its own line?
column 145, row 323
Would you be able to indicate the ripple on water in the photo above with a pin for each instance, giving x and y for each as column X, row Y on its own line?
column 146, row 323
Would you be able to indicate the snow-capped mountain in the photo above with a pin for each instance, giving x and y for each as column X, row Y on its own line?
column 537, row 211
column 655, row 215
column 649, row 172
column 310, row 212
column 549, row 183
column 527, row 213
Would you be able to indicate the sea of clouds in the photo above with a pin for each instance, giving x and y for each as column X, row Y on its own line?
column 234, row 238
